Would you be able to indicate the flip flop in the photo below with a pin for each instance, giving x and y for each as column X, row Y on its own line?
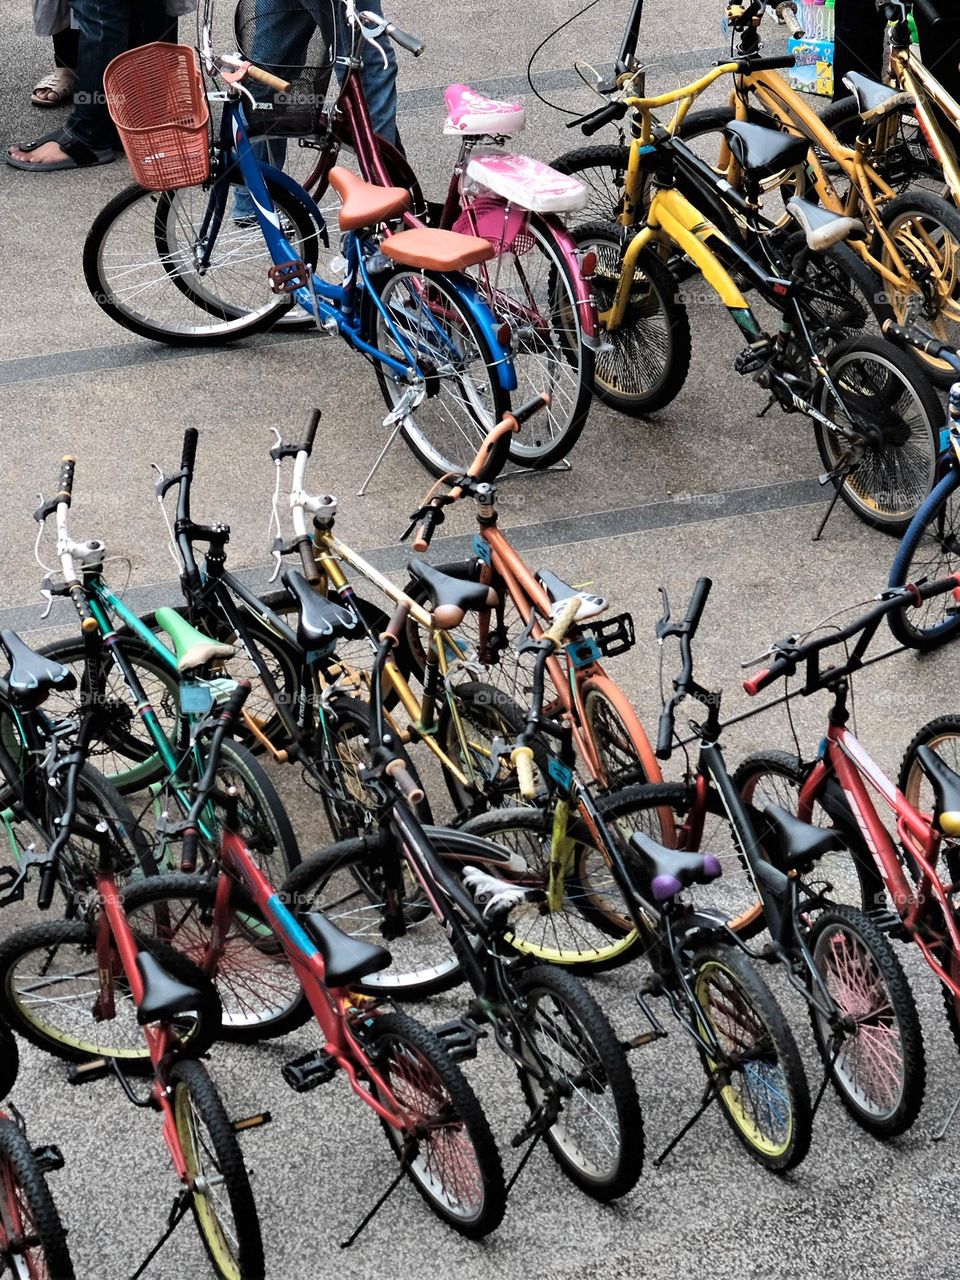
column 78, row 155
column 58, row 87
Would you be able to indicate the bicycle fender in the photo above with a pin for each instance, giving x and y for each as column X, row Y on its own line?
column 470, row 299
column 302, row 197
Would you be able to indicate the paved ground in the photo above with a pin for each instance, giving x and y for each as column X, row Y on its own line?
column 704, row 488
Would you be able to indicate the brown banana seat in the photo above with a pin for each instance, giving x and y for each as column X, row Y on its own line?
column 364, row 203
column 436, row 250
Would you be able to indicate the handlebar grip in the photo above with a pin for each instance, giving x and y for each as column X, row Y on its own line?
column 313, row 421
column 65, row 483
column 780, row 62
column 563, row 621
column 264, row 77
column 606, row 115
column 522, row 760
column 665, row 735
column 526, row 411
column 188, row 854
column 911, row 336
column 787, row 13
column 234, row 705
column 398, row 771
column 189, row 455
column 697, row 602
column 88, row 623
column 48, row 885
column 423, row 533
column 754, row 685
column 413, row 44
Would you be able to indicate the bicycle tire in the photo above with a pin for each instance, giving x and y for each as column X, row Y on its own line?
column 423, row 1056
column 618, row 738
column 758, row 1023
column 582, row 1033
column 942, row 735
column 879, row 1070
column 485, row 713
column 649, row 356
column 195, row 1099
column 602, row 168
column 228, row 320
column 71, row 945
column 928, row 528
column 422, row 297
column 30, row 1210
column 896, row 403
column 941, row 314
column 120, row 747
column 260, row 994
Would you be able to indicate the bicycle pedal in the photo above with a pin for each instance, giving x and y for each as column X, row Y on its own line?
column 287, row 277
column 49, row 1159
column 459, row 1037
column 888, row 922
column 313, row 1069
column 645, row 1037
column 87, row 1072
column 753, row 358
column 251, row 1122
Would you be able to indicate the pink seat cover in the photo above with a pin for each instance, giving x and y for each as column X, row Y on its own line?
column 471, row 113
column 529, row 183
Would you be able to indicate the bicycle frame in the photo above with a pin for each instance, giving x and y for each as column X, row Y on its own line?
column 926, row 89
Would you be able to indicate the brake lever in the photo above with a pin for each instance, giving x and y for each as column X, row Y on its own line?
column 377, row 26
column 664, row 621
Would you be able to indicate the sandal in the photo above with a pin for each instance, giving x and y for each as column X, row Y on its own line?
column 77, row 155
column 55, row 89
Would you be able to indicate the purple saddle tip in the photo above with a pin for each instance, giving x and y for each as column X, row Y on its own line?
column 665, row 887
column 711, row 866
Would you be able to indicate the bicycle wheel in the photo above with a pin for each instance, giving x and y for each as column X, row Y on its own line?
column 33, row 1242
column 531, row 288
column 760, row 1082
column 597, row 1139
column 259, row 992
column 926, row 232
column 878, row 1068
column 483, row 714
column 348, row 884
column 883, row 397
column 49, row 989
column 603, row 170
column 459, row 371
column 264, row 824
column 645, row 361
column 618, row 737
column 223, row 1205
column 775, row 777
column 590, row 930
column 121, row 748
column 142, row 263
column 453, row 1160
column 930, row 550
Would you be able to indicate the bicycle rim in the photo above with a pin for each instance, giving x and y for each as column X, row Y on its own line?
column 928, row 553
column 211, row 1205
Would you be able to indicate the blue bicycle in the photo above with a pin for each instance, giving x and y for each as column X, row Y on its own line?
column 164, row 264
column 930, row 548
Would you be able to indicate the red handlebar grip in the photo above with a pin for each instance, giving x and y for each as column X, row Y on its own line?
column 753, row 686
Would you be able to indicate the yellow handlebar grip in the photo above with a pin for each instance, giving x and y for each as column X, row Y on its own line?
column 522, row 759
column 563, row 621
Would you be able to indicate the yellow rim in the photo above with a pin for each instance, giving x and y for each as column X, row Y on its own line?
column 731, row 1097
column 586, row 956
column 207, row 1219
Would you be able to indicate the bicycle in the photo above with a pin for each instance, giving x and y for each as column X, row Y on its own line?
column 93, row 992
column 123, row 727
column 399, row 1069
column 402, row 301
column 861, row 1009
column 534, row 284
column 931, row 542
column 33, row 1241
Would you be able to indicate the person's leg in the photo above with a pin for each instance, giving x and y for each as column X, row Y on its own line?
column 859, row 42
column 66, row 45
column 379, row 81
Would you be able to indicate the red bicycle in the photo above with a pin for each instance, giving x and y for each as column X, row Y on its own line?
column 235, row 928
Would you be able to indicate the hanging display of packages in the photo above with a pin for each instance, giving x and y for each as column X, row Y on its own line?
column 815, row 52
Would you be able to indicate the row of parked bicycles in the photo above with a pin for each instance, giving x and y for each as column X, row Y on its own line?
column 135, row 797
column 564, row 278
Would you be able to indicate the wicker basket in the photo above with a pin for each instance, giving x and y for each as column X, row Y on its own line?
column 157, row 101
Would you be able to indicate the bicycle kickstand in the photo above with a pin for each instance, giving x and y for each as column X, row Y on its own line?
column 405, row 1160
column 833, row 502
column 177, row 1213
column 709, row 1095
column 826, row 1076
column 941, row 1133
column 410, row 399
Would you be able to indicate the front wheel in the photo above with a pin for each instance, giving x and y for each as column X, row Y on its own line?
column 424, row 318
column 223, row 1205
column 930, row 550
column 758, row 1075
column 878, row 1068
column 644, row 361
column 886, row 471
column 618, row 738
column 450, row 1154
column 33, row 1242
column 597, row 1139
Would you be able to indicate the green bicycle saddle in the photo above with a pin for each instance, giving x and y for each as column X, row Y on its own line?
column 192, row 647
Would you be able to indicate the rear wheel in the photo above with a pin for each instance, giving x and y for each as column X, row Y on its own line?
column 452, row 1157
column 223, row 1205
column 33, row 1242
column 483, row 714
column 930, row 550
column 896, row 414
column 598, row 1138
column 878, row 1067
column 759, row 1079
column 457, row 369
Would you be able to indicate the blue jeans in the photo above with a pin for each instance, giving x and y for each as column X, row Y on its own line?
column 280, row 43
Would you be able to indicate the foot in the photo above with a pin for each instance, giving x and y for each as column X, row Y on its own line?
column 47, row 153
column 54, row 89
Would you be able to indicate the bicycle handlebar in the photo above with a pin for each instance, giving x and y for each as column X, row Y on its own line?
column 599, row 119
column 59, row 505
column 413, row 44
column 912, row 336
column 267, row 78
column 684, row 684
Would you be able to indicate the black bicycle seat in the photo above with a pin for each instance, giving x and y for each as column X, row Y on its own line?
column 32, row 676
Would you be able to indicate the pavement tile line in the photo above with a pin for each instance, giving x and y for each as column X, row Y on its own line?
column 673, row 512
